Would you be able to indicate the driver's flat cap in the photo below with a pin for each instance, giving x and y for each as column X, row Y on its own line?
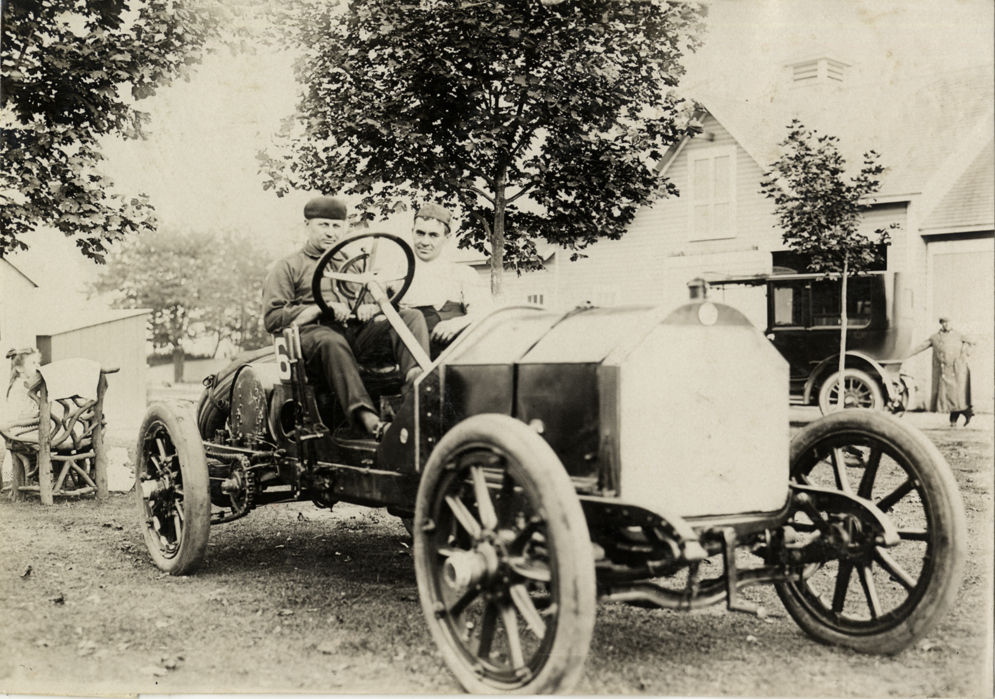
column 326, row 207
column 435, row 211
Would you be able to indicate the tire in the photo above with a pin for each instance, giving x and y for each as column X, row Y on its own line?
column 862, row 391
column 529, row 550
column 171, row 482
column 902, row 472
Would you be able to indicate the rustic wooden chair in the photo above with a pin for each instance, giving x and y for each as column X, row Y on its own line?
column 68, row 432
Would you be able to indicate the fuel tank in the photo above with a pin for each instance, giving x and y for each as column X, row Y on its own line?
column 250, row 404
column 682, row 411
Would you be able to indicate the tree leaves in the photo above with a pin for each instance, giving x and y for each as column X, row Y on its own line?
column 818, row 211
column 196, row 283
column 496, row 108
column 66, row 70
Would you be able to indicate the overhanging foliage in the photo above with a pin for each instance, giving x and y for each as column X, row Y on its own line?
column 539, row 122
column 72, row 74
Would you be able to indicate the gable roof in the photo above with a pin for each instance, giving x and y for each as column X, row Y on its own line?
column 56, row 320
column 916, row 126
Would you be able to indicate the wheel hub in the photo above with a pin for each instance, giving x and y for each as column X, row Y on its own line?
column 464, row 569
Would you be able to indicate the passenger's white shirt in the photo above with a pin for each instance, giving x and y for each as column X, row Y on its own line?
column 440, row 281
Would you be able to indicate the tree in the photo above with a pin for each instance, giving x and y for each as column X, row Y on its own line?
column 72, row 75
column 539, row 121
column 197, row 284
column 820, row 213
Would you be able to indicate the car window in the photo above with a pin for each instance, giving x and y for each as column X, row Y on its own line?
column 791, row 302
column 826, row 302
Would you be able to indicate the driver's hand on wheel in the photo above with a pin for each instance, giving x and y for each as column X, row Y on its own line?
column 308, row 315
column 340, row 311
column 367, row 311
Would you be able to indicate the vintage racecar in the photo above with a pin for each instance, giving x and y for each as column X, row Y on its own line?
column 547, row 460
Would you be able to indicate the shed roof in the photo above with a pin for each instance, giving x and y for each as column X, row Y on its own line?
column 67, row 318
column 19, row 271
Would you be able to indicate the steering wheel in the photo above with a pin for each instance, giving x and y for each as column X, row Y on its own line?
column 352, row 265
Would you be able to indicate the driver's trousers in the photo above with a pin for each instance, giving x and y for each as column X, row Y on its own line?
column 335, row 351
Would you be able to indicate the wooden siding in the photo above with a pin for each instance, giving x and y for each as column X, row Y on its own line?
column 119, row 343
column 657, row 256
column 970, row 204
column 17, row 293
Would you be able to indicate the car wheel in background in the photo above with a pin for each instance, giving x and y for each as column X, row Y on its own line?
column 861, row 390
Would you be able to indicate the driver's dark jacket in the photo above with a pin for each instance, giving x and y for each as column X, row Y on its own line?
column 331, row 349
column 287, row 290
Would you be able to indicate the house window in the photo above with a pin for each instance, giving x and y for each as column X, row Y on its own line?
column 537, row 299
column 712, row 195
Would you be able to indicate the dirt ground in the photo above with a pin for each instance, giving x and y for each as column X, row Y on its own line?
column 294, row 599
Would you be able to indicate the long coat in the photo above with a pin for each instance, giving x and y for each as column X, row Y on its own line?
column 951, row 389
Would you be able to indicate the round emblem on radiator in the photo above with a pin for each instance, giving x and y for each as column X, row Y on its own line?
column 404, row 435
column 708, row 313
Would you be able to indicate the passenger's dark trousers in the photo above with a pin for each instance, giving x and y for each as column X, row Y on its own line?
column 433, row 317
column 332, row 351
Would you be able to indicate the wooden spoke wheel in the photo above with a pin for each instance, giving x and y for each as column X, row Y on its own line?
column 171, row 482
column 879, row 599
column 503, row 559
column 860, row 390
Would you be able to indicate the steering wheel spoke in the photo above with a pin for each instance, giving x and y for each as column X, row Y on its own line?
column 346, row 272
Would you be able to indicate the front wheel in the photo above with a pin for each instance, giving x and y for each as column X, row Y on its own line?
column 860, row 390
column 172, row 486
column 503, row 560
column 879, row 599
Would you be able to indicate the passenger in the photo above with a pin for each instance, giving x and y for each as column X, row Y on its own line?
column 331, row 346
column 448, row 294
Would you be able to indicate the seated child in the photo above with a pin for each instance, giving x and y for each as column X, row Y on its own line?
column 19, row 416
column 18, row 412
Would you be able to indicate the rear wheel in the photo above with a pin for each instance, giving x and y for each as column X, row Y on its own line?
column 173, row 489
column 503, row 560
column 881, row 599
column 860, row 390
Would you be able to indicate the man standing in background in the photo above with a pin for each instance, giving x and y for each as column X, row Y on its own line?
column 951, row 388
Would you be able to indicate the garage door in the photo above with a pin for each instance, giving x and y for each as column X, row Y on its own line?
column 964, row 288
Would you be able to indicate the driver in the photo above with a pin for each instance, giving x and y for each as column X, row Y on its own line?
column 331, row 346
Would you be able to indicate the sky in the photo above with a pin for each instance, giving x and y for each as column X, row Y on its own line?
column 199, row 164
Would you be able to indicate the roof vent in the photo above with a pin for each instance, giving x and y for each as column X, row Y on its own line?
column 817, row 71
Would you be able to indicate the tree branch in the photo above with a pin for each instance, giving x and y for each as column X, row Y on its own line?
column 481, row 193
column 524, row 190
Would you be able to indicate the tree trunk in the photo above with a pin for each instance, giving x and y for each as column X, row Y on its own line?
column 177, row 364
column 497, row 242
column 840, row 399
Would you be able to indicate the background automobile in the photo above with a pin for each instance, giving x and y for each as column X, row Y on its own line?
column 803, row 323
